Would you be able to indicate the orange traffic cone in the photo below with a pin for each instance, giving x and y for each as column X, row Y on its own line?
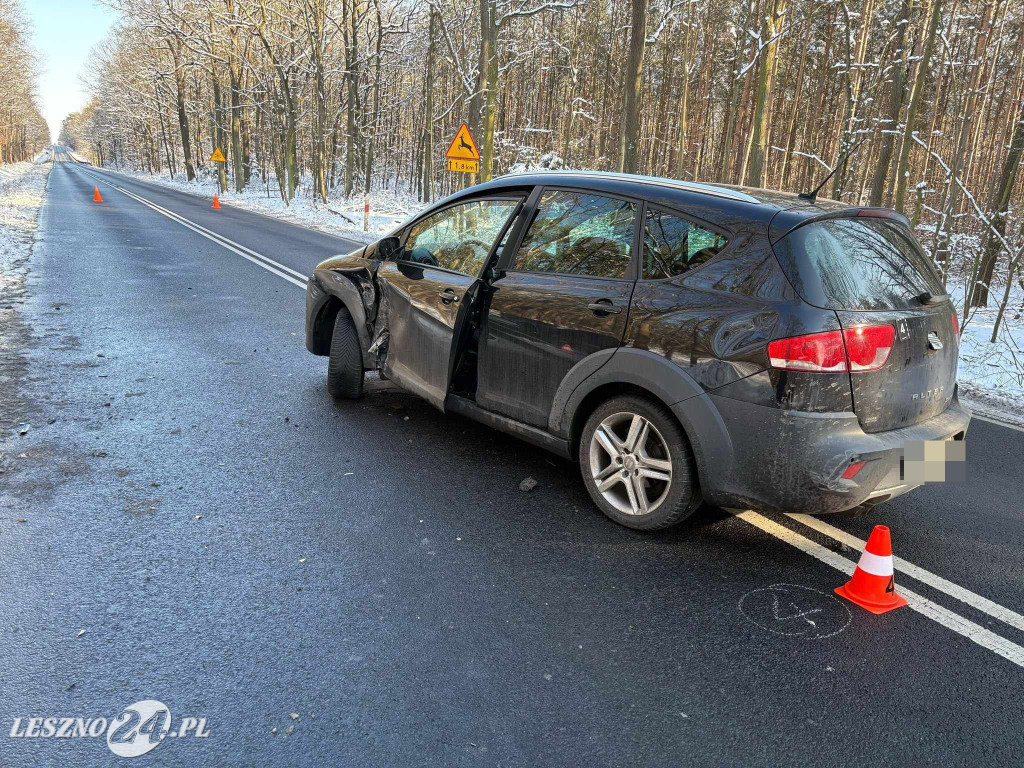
column 216, row 203
column 96, row 196
column 872, row 586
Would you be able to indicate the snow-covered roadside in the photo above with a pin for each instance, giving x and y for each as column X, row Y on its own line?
column 343, row 218
column 21, row 194
column 22, row 188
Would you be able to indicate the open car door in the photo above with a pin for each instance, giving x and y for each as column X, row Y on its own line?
column 428, row 290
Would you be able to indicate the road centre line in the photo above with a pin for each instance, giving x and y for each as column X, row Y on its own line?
column 964, row 627
column 256, row 258
column 982, row 604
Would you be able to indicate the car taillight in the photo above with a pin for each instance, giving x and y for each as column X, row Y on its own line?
column 821, row 352
column 858, row 349
column 868, row 346
column 956, row 325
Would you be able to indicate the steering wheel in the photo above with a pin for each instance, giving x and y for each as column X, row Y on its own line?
column 421, row 255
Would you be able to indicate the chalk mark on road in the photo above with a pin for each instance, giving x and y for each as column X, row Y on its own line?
column 962, row 626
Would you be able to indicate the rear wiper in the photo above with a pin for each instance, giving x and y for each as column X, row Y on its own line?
column 933, row 298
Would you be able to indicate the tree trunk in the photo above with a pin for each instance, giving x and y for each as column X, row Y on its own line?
column 1000, row 207
column 631, row 83
column 896, row 95
column 915, row 102
column 773, row 19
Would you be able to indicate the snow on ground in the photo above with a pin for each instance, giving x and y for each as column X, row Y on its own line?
column 22, row 186
column 21, row 194
column 991, row 376
column 343, row 218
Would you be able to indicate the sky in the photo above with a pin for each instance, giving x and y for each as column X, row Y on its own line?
column 65, row 31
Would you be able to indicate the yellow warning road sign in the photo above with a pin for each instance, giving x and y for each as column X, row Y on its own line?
column 217, row 156
column 462, row 147
column 464, row 166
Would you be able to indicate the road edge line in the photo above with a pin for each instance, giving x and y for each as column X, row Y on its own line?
column 267, row 263
column 943, row 616
column 964, row 595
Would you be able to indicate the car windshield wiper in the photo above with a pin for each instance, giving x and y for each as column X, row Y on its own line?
column 927, row 298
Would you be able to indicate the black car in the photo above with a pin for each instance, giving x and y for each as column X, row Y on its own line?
column 681, row 341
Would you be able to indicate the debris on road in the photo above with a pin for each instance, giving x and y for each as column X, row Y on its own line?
column 23, row 430
column 21, row 520
column 81, row 632
column 528, row 485
column 294, row 715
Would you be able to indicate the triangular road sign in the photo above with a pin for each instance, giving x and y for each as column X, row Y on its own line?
column 463, row 147
column 217, row 156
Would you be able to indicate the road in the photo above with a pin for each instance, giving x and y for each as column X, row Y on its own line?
column 240, row 547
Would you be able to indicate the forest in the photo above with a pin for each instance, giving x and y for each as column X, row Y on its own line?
column 23, row 132
column 915, row 104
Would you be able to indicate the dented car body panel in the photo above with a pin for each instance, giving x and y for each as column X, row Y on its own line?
column 504, row 328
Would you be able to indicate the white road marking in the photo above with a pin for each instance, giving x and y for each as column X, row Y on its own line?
column 266, row 262
column 982, row 604
column 964, row 627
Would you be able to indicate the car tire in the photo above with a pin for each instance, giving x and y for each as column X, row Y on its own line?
column 659, row 464
column 345, row 365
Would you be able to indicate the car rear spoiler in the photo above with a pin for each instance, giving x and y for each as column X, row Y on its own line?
column 787, row 220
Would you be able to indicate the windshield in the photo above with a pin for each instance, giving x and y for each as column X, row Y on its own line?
column 858, row 264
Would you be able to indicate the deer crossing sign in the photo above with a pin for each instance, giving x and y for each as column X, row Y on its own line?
column 462, row 154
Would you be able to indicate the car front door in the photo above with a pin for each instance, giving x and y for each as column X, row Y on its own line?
column 426, row 290
column 565, row 294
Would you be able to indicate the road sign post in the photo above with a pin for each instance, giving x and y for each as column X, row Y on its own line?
column 462, row 154
column 222, row 172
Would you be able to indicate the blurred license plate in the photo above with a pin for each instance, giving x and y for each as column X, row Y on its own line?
column 934, row 461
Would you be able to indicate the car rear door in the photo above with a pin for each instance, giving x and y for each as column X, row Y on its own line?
column 871, row 271
column 564, row 295
column 427, row 290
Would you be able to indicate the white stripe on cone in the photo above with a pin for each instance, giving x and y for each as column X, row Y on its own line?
column 876, row 565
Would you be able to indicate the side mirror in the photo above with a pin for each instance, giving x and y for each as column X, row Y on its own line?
column 389, row 249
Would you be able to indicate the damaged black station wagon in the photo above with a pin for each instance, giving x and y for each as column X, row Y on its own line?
column 680, row 341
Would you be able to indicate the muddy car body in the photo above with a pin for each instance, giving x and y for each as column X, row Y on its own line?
column 732, row 341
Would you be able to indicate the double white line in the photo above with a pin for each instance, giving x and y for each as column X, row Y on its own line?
column 947, row 618
column 287, row 273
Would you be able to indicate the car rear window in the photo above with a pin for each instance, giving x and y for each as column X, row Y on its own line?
column 857, row 264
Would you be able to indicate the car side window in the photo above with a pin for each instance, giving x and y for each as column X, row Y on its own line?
column 672, row 245
column 460, row 237
column 576, row 233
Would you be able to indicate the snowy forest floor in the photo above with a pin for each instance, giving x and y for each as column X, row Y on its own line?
column 991, row 376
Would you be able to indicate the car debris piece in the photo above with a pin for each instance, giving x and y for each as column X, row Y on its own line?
column 528, row 485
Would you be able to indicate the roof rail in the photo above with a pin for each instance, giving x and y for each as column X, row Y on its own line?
column 689, row 186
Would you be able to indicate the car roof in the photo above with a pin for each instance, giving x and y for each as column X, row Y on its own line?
column 729, row 205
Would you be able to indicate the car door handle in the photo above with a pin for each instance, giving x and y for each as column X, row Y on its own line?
column 448, row 296
column 604, row 307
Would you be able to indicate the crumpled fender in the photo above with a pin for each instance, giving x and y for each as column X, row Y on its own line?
column 353, row 287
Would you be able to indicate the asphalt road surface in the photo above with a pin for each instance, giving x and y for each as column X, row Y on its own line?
column 240, row 547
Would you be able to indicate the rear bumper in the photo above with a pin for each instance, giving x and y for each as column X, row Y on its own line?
column 793, row 461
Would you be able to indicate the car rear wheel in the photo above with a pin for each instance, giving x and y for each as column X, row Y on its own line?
column 345, row 365
column 637, row 464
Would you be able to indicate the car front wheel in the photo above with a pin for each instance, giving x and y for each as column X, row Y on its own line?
column 345, row 365
column 637, row 464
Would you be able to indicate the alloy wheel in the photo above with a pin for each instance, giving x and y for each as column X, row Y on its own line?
column 630, row 463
